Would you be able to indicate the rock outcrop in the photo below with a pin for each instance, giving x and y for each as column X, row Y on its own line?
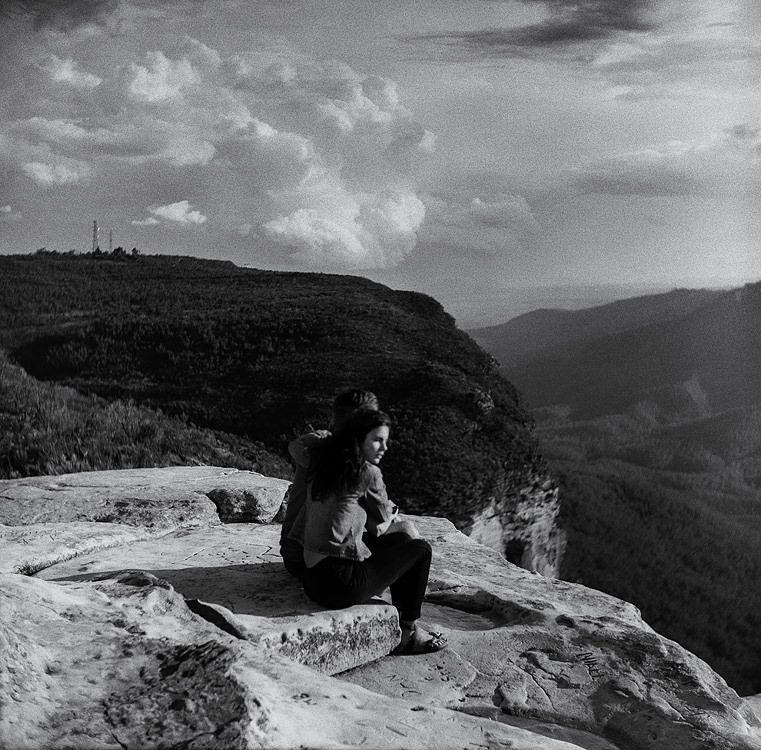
column 164, row 627
column 522, row 525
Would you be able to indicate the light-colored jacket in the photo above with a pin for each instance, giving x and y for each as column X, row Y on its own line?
column 300, row 450
column 334, row 525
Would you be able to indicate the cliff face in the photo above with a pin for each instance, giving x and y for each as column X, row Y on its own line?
column 522, row 526
column 144, row 621
column 259, row 356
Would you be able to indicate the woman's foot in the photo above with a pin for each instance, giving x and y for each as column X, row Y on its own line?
column 416, row 640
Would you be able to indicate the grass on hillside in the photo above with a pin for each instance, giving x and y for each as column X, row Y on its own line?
column 51, row 429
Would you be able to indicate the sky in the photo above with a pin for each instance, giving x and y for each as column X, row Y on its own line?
column 463, row 148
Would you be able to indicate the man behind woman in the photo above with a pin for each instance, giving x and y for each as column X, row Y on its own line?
column 354, row 546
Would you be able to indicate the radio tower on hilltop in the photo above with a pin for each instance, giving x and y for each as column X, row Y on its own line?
column 95, row 232
column 110, row 240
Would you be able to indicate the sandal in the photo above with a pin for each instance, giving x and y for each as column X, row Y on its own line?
column 417, row 643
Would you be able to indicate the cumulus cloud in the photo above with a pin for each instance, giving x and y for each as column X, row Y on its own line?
column 312, row 161
column 62, row 172
column 68, row 72
column 151, row 221
column 369, row 232
column 180, row 212
column 161, row 78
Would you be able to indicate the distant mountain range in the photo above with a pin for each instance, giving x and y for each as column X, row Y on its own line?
column 688, row 351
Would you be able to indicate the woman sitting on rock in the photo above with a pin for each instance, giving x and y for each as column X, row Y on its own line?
column 342, row 569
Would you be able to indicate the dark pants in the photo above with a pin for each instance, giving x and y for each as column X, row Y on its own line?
column 397, row 562
column 295, row 568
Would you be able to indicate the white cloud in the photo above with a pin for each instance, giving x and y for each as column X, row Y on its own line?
column 60, row 173
column 317, row 158
column 316, row 238
column 67, row 71
column 371, row 232
column 151, row 221
column 8, row 215
column 180, row 212
column 161, row 78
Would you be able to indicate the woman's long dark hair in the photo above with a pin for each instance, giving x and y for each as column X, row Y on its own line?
column 338, row 460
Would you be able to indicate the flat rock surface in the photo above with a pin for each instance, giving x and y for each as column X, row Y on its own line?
column 124, row 663
column 182, row 635
column 238, row 568
column 159, row 499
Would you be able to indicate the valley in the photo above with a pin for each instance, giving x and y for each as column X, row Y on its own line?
column 649, row 413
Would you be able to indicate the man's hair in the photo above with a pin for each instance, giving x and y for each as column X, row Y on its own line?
column 346, row 402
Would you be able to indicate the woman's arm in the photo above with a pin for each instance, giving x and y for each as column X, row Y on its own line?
column 381, row 512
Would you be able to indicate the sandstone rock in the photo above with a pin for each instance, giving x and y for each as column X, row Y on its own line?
column 123, row 663
column 243, row 501
column 156, row 499
column 44, row 520
column 235, row 575
column 27, row 549
column 522, row 526
column 532, row 662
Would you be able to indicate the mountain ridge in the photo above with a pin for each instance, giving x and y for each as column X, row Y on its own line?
column 541, row 330
column 261, row 354
column 712, row 347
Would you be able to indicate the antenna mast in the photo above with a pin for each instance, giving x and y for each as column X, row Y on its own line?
column 94, row 235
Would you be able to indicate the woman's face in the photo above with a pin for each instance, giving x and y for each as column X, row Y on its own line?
column 375, row 444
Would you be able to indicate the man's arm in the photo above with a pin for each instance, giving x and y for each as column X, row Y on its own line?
column 301, row 448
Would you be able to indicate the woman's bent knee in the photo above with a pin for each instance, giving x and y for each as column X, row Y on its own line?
column 423, row 545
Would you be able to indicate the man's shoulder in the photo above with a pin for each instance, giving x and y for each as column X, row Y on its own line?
column 302, row 447
column 310, row 439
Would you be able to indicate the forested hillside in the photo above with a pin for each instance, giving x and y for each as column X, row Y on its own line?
column 654, row 434
column 260, row 355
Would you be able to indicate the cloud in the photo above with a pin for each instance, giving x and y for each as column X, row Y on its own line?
column 639, row 48
column 161, row 78
column 179, row 212
column 151, row 221
column 138, row 140
column 317, row 161
column 505, row 211
column 567, row 22
column 67, row 71
column 498, row 211
column 492, row 224
column 64, row 15
column 8, row 215
column 63, row 172
column 719, row 163
column 371, row 232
